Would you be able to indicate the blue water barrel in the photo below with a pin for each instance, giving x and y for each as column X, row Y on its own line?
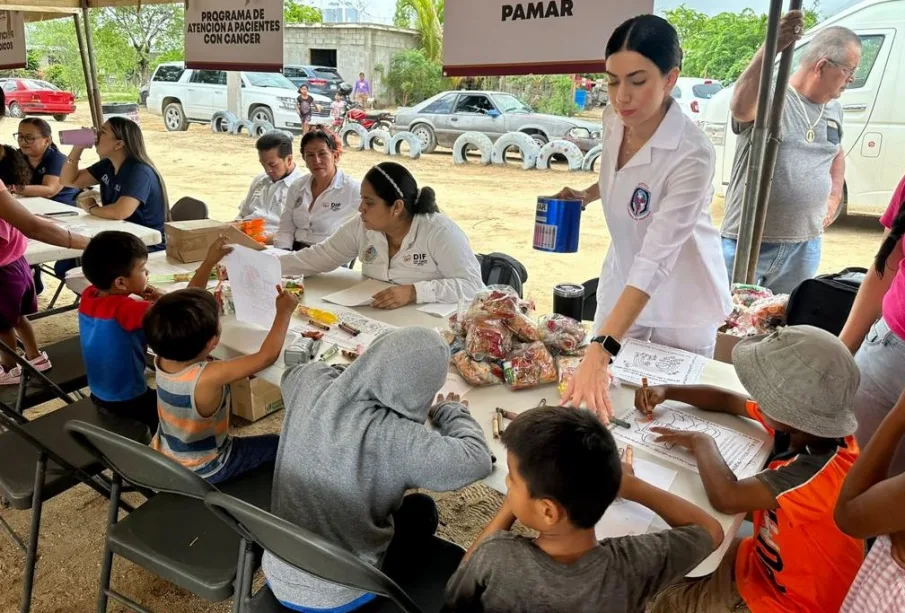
column 581, row 97
column 557, row 224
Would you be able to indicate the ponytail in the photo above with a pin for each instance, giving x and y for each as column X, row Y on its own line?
column 426, row 202
column 896, row 231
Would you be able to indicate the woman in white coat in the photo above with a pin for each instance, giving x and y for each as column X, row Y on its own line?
column 664, row 278
column 400, row 236
column 321, row 201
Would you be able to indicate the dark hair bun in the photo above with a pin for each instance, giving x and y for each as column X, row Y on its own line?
column 426, row 201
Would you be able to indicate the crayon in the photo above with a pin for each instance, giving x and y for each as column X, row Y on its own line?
column 314, row 335
column 318, row 325
column 507, row 414
column 329, row 353
column 349, row 329
column 351, row 355
column 621, row 423
column 496, row 425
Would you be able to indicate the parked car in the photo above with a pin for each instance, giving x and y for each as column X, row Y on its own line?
column 143, row 94
column 693, row 95
column 442, row 119
column 874, row 116
column 183, row 96
column 322, row 80
column 36, row 97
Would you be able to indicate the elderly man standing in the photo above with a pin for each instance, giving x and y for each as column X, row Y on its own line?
column 810, row 167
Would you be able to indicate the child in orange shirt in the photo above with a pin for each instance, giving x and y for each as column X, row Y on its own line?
column 802, row 381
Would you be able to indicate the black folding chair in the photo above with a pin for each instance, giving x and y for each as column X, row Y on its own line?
column 41, row 461
column 67, row 376
column 172, row 534
column 424, row 581
column 589, row 307
column 188, row 209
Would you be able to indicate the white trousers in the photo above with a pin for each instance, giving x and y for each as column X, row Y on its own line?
column 701, row 340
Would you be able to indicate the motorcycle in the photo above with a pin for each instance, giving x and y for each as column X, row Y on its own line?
column 375, row 120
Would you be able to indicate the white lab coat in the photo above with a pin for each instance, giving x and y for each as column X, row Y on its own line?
column 435, row 257
column 266, row 198
column 657, row 209
column 312, row 224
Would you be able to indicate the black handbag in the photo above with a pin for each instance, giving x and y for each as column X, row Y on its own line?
column 825, row 301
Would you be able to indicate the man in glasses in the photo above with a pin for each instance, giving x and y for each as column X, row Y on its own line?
column 810, row 167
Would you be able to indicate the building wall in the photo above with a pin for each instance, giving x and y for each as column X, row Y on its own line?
column 359, row 47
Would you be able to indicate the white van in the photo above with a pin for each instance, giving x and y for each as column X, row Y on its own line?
column 873, row 105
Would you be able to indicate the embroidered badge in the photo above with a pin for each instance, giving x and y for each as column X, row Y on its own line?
column 639, row 205
column 370, row 254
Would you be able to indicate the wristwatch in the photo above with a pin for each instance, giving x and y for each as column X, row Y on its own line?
column 609, row 344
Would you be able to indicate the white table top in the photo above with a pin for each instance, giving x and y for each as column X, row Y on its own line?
column 83, row 223
column 240, row 339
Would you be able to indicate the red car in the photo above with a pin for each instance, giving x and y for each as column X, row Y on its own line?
column 34, row 97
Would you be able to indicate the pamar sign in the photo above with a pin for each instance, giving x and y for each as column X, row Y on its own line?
column 12, row 39
column 234, row 35
column 506, row 37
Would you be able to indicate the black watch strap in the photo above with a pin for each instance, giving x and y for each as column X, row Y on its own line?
column 609, row 344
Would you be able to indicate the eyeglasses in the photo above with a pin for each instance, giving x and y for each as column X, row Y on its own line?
column 25, row 138
column 848, row 72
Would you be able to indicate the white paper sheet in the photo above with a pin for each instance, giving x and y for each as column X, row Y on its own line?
column 660, row 364
column 624, row 518
column 253, row 280
column 358, row 295
column 439, row 309
column 739, row 450
column 455, row 384
column 370, row 329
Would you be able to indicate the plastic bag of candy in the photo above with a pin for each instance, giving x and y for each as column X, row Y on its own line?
column 294, row 285
column 488, row 339
column 746, row 295
column 529, row 366
column 495, row 301
column 560, row 333
column 477, row 373
column 769, row 313
column 524, row 328
column 567, row 367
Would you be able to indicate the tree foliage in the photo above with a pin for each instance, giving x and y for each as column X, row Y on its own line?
column 413, row 77
column 425, row 16
column 150, row 30
column 296, row 12
column 721, row 46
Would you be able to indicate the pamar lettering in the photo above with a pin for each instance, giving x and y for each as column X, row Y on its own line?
column 538, row 10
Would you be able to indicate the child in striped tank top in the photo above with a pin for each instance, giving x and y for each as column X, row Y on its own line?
column 193, row 401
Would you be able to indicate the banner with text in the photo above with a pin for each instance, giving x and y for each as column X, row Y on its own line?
column 234, row 35
column 12, row 40
column 509, row 37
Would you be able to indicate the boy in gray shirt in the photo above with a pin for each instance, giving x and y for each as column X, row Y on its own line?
column 564, row 471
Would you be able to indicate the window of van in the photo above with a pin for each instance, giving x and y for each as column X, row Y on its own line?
column 870, row 50
column 209, row 77
column 169, row 74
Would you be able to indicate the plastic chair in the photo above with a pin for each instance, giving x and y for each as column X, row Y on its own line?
column 589, row 308
column 41, row 461
column 67, row 376
column 319, row 557
column 188, row 209
column 173, row 534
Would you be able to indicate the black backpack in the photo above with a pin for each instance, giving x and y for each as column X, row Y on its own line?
column 502, row 269
column 825, row 301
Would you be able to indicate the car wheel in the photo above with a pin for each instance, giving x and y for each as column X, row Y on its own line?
column 60, row 117
column 539, row 138
column 425, row 134
column 15, row 111
column 174, row 118
column 262, row 113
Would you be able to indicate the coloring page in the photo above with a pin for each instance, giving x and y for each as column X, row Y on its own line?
column 658, row 363
column 253, row 280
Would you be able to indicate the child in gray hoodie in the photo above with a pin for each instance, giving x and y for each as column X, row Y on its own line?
column 354, row 442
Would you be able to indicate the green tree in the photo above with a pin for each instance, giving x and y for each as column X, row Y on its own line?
column 425, row 16
column 149, row 30
column 721, row 46
column 412, row 76
column 296, row 12
column 55, row 38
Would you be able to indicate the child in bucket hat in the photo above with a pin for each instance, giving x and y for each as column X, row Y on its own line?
column 802, row 381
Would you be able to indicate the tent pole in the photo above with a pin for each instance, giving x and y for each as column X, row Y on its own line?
column 741, row 272
column 771, row 151
column 84, row 55
column 89, row 45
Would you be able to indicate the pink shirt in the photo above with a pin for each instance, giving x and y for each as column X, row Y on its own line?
column 894, row 301
column 12, row 242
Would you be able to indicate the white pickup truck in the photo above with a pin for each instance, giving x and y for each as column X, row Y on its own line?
column 183, row 96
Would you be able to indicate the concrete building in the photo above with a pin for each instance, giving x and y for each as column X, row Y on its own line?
column 349, row 47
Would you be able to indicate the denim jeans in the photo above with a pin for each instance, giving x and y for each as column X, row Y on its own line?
column 781, row 266
column 247, row 454
column 881, row 361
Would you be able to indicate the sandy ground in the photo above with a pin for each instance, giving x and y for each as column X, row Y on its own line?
column 495, row 208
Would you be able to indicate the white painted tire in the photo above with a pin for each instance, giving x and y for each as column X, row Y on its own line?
column 476, row 140
column 221, row 121
column 591, row 158
column 384, row 137
column 571, row 152
column 413, row 141
column 260, row 128
column 354, row 128
column 236, row 127
column 528, row 149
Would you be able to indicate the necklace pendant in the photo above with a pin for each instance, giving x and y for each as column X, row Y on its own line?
column 811, row 136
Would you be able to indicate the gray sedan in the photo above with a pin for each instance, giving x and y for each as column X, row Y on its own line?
column 442, row 119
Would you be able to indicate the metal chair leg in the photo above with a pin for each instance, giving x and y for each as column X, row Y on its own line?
column 31, row 555
column 107, row 565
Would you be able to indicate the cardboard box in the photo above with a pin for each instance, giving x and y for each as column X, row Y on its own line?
column 253, row 399
column 725, row 343
column 188, row 241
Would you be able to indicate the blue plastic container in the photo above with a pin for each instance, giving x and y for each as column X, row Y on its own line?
column 557, row 224
column 581, row 98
